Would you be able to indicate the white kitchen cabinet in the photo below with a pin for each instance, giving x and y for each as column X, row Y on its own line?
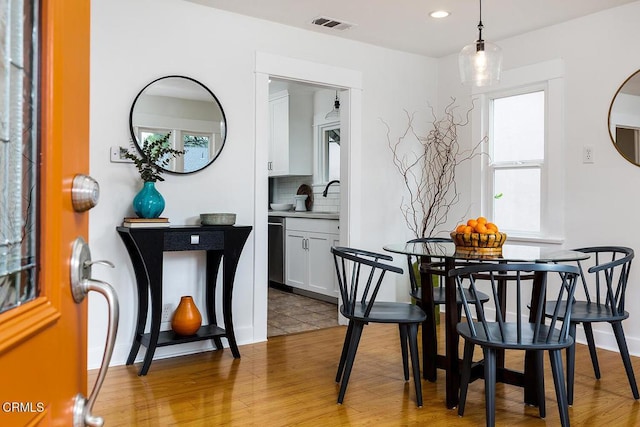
column 309, row 262
column 296, row 259
column 290, row 134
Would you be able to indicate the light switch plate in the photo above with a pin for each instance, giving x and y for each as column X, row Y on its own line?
column 116, row 155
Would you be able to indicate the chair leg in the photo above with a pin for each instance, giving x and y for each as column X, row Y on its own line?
column 542, row 402
column 403, row 348
column 558, row 381
column 490, row 385
column 624, row 353
column 415, row 361
column 465, row 376
column 588, row 331
column 571, row 364
column 356, row 333
column 345, row 348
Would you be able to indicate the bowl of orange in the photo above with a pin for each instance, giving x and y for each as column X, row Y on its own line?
column 478, row 236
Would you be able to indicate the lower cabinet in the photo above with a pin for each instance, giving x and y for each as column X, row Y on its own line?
column 309, row 262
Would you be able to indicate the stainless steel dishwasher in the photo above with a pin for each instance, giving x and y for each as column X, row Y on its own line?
column 276, row 239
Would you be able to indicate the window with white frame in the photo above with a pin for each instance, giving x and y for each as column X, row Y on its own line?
column 327, row 152
column 197, row 146
column 516, row 161
column 522, row 174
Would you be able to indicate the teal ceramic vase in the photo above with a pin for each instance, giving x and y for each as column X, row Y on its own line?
column 148, row 203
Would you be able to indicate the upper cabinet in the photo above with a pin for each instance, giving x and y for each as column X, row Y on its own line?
column 291, row 134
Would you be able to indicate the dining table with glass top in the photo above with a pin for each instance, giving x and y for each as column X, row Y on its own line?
column 445, row 253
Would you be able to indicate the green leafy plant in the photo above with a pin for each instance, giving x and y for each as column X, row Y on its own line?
column 156, row 155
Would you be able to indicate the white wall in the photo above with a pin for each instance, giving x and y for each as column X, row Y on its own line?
column 136, row 41
column 599, row 52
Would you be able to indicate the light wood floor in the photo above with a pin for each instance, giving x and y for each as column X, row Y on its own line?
column 289, row 381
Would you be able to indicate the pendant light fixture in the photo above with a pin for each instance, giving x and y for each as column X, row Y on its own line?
column 480, row 62
column 335, row 113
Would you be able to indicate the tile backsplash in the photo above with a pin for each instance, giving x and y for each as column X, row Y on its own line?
column 282, row 190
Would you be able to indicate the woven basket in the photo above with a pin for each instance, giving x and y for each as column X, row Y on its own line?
column 476, row 243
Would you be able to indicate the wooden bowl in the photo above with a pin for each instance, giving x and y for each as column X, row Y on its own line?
column 476, row 243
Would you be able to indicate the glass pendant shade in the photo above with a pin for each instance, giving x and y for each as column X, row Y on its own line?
column 480, row 63
column 335, row 113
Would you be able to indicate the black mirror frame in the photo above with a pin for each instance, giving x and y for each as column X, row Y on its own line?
column 224, row 118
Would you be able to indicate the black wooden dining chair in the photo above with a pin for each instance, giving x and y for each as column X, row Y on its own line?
column 360, row 275
column 514, row 331
column 426, row 264
column 604, row 282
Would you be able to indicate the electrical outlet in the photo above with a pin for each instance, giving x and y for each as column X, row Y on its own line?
column 167, row 311
column 116, row 155
column 587, row 154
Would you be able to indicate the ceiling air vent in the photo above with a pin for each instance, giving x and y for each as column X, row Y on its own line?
column 334, row 24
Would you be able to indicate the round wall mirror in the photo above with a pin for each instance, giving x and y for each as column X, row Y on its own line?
column 624, row 119
column 187, row 110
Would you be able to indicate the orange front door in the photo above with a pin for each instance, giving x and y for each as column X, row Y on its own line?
column 43, row 341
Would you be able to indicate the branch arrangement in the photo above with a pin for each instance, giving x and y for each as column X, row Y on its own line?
column 156, row 155
column 429, row 175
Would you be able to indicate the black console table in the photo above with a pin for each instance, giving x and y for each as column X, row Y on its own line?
column 146, row 246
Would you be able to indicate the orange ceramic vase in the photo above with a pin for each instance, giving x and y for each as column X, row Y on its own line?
column 186, row 319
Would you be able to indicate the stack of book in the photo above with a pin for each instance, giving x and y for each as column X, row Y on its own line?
column 135, row 222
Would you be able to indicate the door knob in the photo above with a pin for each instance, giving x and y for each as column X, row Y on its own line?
column 85, row 193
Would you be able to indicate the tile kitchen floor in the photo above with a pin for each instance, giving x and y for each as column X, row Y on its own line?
column 291, row 313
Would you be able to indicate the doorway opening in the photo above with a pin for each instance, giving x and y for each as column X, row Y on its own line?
column 304, row 157
column 349, row 82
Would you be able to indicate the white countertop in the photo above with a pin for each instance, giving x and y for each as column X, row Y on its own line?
column 306, row 214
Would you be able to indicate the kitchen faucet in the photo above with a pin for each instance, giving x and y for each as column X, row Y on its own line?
column 326, row 189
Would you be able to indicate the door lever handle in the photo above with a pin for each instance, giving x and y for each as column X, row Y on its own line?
column 82, row 409
column 99, row 262
column 81, row 285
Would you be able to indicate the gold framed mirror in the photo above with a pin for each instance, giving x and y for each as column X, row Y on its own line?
column 624, row 119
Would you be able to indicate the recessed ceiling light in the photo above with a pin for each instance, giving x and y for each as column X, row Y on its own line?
column 438, row 14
